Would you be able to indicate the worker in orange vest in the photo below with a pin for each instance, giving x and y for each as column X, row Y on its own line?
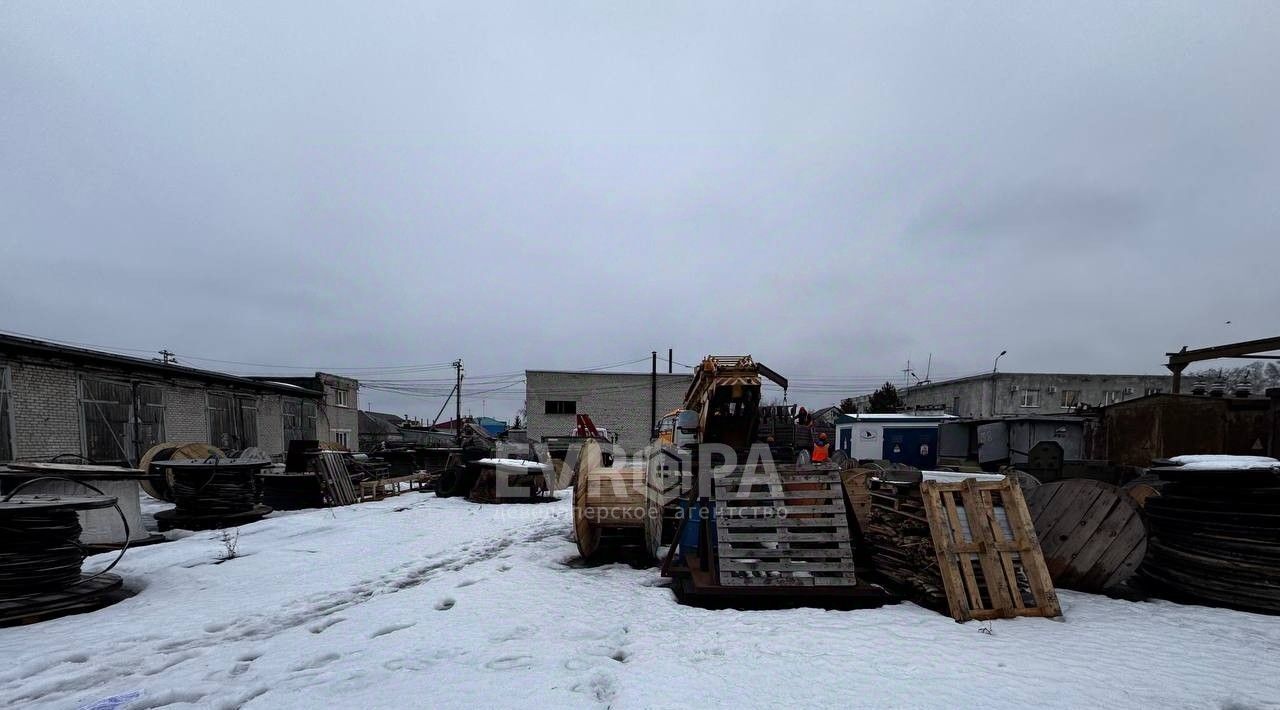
column 821, row 449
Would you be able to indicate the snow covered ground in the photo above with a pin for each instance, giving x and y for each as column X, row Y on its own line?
column 424, row 602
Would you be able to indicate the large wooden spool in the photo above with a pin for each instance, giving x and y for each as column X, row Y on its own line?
column 1092, row 534
column 608, row 502
column 159, row 488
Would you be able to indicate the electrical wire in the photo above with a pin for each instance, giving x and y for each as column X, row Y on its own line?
column 225, row 490
column 33, row 546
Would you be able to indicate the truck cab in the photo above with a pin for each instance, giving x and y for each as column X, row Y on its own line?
column 678, row 430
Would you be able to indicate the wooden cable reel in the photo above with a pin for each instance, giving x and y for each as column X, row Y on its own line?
column 1091, row 533
column 159, row 489
column 608, row 503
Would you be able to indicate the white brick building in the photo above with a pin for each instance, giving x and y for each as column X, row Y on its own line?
column 620, row 402
column 57, row 400
column 1023, row 393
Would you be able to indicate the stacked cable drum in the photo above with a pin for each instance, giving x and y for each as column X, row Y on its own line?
column 211, row 494
column 1215, row 531
column 41, row 558
column 39, row 550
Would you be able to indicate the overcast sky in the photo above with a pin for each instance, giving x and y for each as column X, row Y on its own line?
column 834, row 188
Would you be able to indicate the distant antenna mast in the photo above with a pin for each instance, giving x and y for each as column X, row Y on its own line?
column 169, row 358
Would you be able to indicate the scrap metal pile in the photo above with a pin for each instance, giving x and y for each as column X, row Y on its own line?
column 1215, row 530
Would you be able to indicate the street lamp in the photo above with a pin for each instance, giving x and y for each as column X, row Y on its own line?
column 996, row 364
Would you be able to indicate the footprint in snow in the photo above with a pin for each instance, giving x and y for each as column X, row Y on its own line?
column 468, row 583
column 317, row 662
column 445, row 604
column 389, row 630
column 319, row 627
column 214, row 628
column 510, row 663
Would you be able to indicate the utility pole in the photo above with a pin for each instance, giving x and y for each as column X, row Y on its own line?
column 168, row 357
column 670, row 352
column 653, row 394
column 457, row 420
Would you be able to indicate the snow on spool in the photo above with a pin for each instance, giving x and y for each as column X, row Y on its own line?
column 608, row 502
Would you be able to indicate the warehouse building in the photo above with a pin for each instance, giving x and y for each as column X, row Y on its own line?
column 1023, row 393
column 56, row 399
column 619, row 401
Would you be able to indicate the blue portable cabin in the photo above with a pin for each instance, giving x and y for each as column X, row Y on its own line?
column 909, row 438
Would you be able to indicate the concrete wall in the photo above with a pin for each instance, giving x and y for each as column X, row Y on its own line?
column 619, row 402
column 339, row 417
column 1002, row 394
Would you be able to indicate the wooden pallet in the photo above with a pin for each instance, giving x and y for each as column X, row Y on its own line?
column 987, row 551
column 380, row 488
column 791, row 531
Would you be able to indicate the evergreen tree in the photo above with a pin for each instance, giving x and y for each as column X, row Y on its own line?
column 886, row 400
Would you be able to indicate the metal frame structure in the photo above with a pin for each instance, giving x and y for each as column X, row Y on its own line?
column 1249, row 349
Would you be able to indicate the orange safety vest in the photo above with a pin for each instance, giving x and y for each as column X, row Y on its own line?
column 819, row 452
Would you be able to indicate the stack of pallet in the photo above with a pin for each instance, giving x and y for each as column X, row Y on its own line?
column 963, row 542
column 900, row 543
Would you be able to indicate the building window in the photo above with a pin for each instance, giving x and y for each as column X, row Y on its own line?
column 233, row 421
column 558, row 406
column 1111, row 397
column 121, row 419
column 1070, row 398
column 1030, row 398
column 341, row 437
column 299, row 420
column 340, row 397
column 1150, row 391
column 6, row 418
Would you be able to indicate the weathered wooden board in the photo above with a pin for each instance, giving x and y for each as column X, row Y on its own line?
column 1091, row 533
column 335, row 480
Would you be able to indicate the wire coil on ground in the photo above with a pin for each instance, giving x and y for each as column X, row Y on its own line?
column 214, row 488
column 39, row 551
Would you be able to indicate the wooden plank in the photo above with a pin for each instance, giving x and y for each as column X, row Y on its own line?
column 941, row 534
column 1015, row 508
column 840, row 535
column 980, row 515
column 800, row 562
column 832, row 477
column 957, row 530
column 735, row 496
column 789, row 566
column 839, row 523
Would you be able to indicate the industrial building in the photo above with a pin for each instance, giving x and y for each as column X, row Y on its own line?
column 108, row 408
column 910, row 439
column 1022, row 393
column 622, row 402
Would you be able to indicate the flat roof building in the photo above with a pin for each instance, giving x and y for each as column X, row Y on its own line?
column 1020, row 393
column 619, row 401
